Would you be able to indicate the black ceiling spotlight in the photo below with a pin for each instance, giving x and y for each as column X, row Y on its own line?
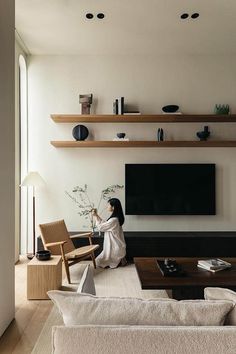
column 184, row 16
column 89, row 16
column 195, row 15
column 100, row 16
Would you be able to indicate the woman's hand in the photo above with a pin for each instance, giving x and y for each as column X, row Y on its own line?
column 94, row 212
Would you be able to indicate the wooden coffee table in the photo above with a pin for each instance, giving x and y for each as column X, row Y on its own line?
column 190, row 286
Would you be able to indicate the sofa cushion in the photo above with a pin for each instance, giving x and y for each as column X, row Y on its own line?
column 86, row 284
column 143, row 340
column 83, row 309
column 223, row 294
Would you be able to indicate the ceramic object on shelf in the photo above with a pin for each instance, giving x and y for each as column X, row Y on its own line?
column 80, row 132
column 44, row 255
column 160, row 134
column 171, row 108
column 86, row 101
column 221, row 109
column 120, row 135
column 204, row 134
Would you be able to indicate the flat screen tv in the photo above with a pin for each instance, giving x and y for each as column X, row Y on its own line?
column 170, row 189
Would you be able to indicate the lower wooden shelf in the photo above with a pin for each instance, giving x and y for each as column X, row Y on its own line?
column 143, row 144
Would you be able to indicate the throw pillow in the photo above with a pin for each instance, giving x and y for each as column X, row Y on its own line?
column 86, row 284
column 223, row 294
column 82, row 309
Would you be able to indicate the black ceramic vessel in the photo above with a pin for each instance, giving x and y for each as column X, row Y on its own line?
column 204, row 134
column 160, row 134
column 80, row 132
column 43, row 255
column 171, row 108
column 120, row 135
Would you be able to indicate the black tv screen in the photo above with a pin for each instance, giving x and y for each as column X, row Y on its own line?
column 170, row 189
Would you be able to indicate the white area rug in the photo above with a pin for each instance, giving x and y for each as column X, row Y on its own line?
column 122, row 281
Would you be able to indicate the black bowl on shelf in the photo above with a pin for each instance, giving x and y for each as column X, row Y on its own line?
column 171, row 108
column 120, row 135
column 44, row 255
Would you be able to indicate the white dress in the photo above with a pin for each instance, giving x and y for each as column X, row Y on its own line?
column 114, row 247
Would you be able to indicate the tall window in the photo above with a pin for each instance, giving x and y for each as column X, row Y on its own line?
column 23, row 153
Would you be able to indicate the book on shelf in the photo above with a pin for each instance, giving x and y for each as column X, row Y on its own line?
column 172, row 113
column 121, row 104
column 134, row 113
column 214, row 264
column 115, row 107
column 121, row 139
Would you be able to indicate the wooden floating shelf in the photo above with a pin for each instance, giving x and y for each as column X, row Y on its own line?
column 143, row 144
column 144, row 118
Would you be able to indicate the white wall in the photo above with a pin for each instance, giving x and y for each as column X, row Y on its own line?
column 196, row 83
column 7, row 174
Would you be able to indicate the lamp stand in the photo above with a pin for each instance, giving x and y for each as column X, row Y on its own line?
column 31, row 255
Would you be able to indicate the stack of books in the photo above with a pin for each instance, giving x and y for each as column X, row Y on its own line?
column 119, row 107
column 213, row 265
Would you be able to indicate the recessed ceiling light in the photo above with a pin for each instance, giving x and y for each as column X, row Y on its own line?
column 89, row 16
column 195, row 15
column 184, row 16
column 100, row 16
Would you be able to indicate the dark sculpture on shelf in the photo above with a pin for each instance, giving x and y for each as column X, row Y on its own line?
column 86, row 101
column 160, row 134
column 204, row 134
column 80, row 132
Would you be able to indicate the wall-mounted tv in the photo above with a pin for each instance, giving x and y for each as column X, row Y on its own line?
column 170, row 189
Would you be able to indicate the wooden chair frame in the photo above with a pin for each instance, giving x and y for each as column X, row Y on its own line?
column 70, row 262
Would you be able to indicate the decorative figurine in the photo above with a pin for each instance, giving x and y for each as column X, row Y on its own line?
column 221, row 109
column 203, row 135
column 86, row 101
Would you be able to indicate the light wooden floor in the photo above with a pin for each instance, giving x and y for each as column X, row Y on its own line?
column 23, row 332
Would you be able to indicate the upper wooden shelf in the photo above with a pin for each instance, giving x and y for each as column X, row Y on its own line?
column 143, row 118
column 143, row 144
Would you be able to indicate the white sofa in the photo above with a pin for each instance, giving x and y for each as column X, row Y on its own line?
column 107, row 336
column 142, row 340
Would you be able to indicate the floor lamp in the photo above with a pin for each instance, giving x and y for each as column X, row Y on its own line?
column 33, row 179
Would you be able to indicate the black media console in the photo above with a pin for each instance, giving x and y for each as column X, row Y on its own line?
column 172, row 244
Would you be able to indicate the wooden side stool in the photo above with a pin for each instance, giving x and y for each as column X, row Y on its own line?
column 43, row 276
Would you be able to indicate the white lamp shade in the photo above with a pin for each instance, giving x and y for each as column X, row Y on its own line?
column 33, row 179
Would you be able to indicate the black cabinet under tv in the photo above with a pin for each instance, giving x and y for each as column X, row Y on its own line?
column 173, row 244
column 180, row 244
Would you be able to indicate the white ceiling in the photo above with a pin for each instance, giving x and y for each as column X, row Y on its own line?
column 130, row 26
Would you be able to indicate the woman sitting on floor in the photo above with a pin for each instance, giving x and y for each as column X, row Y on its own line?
column 114, row 247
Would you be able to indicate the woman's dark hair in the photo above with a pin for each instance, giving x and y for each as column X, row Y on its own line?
column 118, row 211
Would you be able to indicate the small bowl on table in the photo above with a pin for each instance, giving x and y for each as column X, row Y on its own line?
column 44, row 255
